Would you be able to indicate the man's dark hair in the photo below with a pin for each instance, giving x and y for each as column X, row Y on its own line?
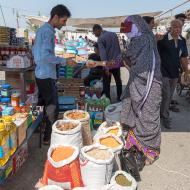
column 60, row 11
column 97, row 27
column 148, row 19
column 181, row 15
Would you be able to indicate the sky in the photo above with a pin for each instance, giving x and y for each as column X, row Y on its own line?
column 84, row 8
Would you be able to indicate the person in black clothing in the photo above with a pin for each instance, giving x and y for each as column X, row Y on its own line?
column 173, row 53
column 182, row 17
column 109, row 48
column 97, row 72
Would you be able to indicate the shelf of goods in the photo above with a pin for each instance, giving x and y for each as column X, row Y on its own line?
column 24, row 131
column 22, row 74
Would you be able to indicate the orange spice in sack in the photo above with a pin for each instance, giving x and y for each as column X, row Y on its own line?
column 113, row 131
column 109, row 142
column 62, row 153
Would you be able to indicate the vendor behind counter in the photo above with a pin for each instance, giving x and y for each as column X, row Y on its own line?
column 95, row 73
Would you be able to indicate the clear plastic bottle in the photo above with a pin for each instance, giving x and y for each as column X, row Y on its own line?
column 12, row 131
column 4, row 145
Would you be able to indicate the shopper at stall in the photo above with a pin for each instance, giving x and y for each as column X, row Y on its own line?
column 142, row 98
column 97, row 72
column 109, row 49
column 46, row 61
column 173, row 53
column 182, row 17
column 150, row 21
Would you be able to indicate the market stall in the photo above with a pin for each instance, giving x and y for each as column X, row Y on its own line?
column 17, row 120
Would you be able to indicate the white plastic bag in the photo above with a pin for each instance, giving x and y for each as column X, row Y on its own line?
column 70, row 137
column 95, row 173
column 113, row 113
column 114, row 186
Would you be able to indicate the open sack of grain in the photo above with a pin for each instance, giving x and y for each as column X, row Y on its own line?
column 67, row 132
column 115, row 144
column 105, row 128
column 96, row 162
column 122, row 181
column 62, row 167
column 84, row 118
column 111, row 141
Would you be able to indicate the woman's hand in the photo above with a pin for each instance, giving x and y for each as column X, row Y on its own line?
column 71, row 62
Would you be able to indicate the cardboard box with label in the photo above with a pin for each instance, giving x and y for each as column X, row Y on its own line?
column 22, row 125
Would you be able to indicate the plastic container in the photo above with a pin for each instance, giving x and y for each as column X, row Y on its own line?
column 5, row 102
column 6, row 90
column 12, row 131
column 4, row 144
column 15, row 100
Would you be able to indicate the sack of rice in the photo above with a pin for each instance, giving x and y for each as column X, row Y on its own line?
column 62, row 167
column 67, row 132
column 111, row 141
column 105, row 128
column 51, row 187
column 122, row 181
column 84, row 118
column 96, row 162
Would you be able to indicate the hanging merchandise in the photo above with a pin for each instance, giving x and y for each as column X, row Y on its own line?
column 96, row 162
column 84, row 118
column 62, row 167
column 67, row 131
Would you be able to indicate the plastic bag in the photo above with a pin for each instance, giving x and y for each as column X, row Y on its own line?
column 113, row 113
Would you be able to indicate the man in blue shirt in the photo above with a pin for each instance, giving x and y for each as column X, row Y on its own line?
column 109, row 50
column 46, row 62
column 173, row 53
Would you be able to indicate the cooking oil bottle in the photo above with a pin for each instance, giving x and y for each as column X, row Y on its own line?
column 4, row 144
column 12, row 130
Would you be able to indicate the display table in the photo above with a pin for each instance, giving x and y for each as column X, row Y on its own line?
column 22, row 78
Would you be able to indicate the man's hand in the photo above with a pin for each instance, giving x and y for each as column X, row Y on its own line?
column 91, row 64
column 71, row 62
column 159, row 37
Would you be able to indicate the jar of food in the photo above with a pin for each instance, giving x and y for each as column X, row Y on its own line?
column 6, row 90
column 15, row 100
column 4, row 144
column 12, row 131
column 82, row 91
